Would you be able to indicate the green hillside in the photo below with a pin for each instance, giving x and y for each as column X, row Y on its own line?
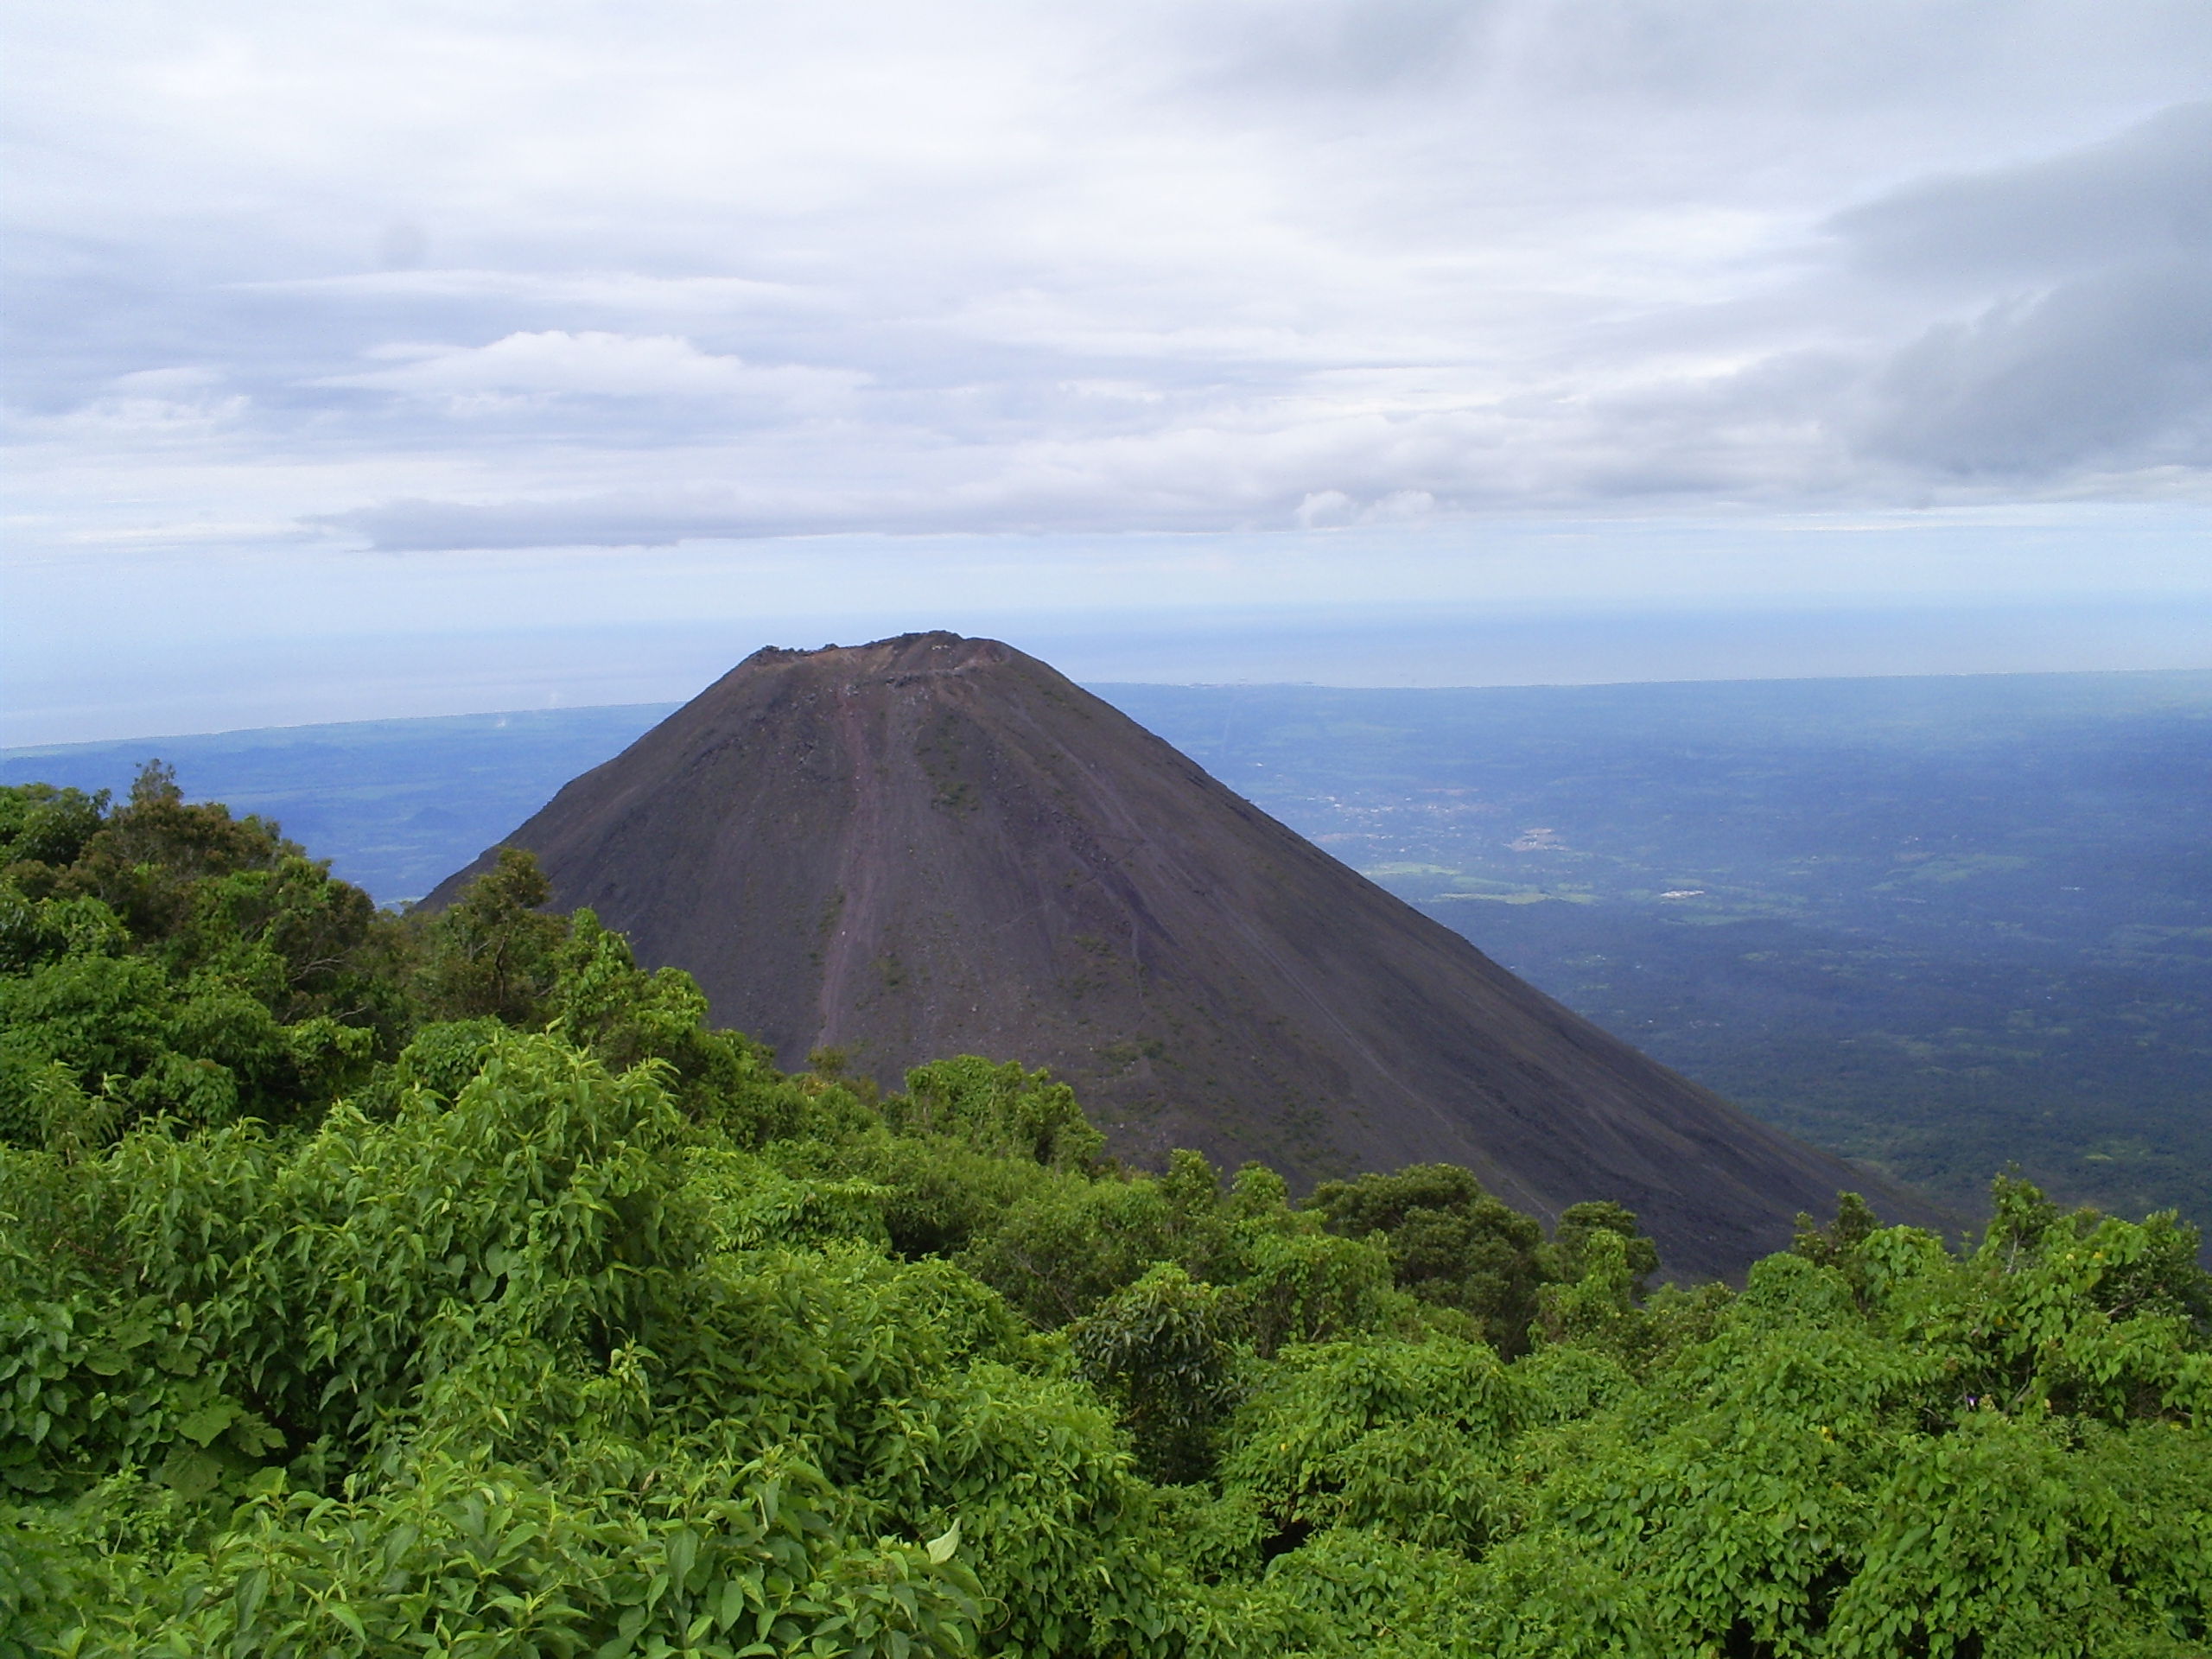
column 373, row 1284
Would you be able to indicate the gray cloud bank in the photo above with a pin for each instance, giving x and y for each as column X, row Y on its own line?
column 453, row 278
column 2095, row 352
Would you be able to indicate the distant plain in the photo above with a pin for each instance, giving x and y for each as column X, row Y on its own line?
column 1944, row 924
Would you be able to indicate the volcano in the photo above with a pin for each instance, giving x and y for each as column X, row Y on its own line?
column 934, row 845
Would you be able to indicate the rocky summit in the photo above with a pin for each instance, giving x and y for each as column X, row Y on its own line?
column 934, row 845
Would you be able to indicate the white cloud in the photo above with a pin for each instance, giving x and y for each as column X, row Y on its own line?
column 150, row 406
column 469, row 275
column 593, row 363
column 632, row 293
column 1326, row 510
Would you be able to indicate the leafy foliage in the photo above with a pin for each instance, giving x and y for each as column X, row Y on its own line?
column 1160, row 1351
column 374, row 1284
column 1449, row 1243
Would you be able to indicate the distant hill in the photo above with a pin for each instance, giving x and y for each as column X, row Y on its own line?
column 934, row 845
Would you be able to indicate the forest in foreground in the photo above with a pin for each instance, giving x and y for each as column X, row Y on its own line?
column 445, row 1284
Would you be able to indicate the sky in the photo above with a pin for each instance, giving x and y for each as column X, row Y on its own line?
column 401, row 359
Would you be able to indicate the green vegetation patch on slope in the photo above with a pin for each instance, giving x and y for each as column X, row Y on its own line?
column 516, row 1311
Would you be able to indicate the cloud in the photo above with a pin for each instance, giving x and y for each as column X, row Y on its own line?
column 2088, row 350
column 596, row 364
column 1358, row 47
column 2142, row 196
column 2110, row 372
column 150, row 406
column 1175, row 478
column 465, row 277
column 624, row 292
column 1326, row 510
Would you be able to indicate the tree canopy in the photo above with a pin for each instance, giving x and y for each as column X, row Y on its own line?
column 445, row 1284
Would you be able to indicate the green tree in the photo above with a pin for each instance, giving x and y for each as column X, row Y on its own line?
column 494, row 952
column 998, row 1108
column 147, row 857
column 1450, row 1242
column 1160, row 1349
column 43, row 832
column 1567, row 1258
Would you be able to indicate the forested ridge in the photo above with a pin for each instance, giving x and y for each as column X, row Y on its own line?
column 444, row 1285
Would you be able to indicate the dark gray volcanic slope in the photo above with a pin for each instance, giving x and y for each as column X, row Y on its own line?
column 934, row 845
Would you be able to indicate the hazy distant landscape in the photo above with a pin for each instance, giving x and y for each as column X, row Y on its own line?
column 396, row 805
column 1942, row 924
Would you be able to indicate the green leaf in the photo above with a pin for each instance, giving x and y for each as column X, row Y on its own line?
column 941, row 1547
column 731, row 1606
column 190, row 1474
column 205, row 1424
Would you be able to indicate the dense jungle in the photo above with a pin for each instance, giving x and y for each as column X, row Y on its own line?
column 444, row 1284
